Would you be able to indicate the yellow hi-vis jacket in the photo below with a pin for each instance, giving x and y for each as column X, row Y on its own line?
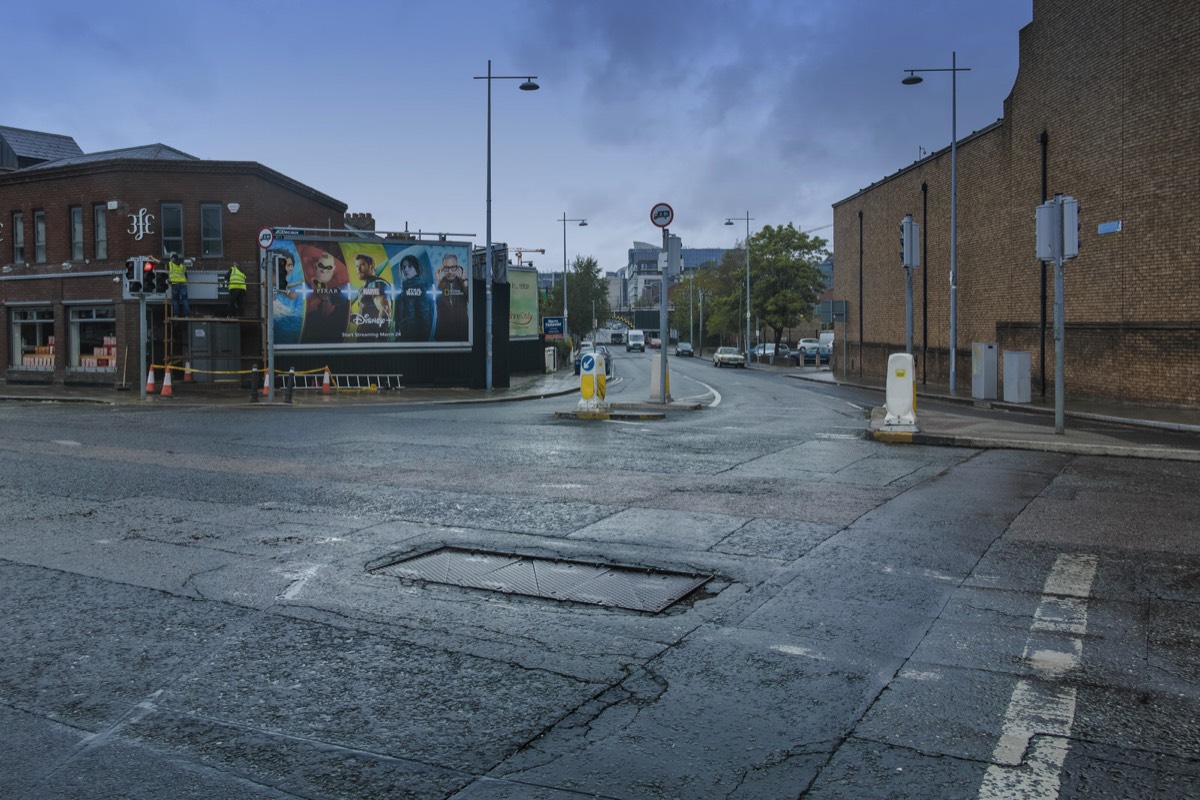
column 237, row 278
column 176, row 272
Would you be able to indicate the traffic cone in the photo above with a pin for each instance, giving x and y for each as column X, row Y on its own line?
column 326, row 387
column 187, row 372
column 150, row 381
column 166, row 390
column 266, row 383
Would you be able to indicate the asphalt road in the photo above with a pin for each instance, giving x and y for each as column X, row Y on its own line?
column 194, row 605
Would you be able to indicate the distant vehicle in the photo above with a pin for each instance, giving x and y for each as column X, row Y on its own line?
column 584, row 347
column 763, row 352
column 728, row 357
column 806, row 350
column 656, row 343
column 636, row 340
column 608, row 359
column 684, row 349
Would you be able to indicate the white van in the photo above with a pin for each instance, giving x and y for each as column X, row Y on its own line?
column 636, row 340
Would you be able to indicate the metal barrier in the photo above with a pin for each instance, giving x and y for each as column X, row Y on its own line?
column 341, row 382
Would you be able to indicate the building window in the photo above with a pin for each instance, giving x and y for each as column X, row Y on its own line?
column 18, row 234
column 39, row 237
column 172, row 229
column 100, row 215
column 210, row 230
column 93, row 336
column 77, row 233
column 33, row 338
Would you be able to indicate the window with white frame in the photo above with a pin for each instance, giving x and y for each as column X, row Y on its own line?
column 172, row 229
column 92, row 332
column 99, row 215
column 33, row 338
column 39, row 237
column 210, row 230
column 77, row 233
column 18, row 237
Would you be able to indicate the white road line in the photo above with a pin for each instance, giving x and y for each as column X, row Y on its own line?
column 1037, row 725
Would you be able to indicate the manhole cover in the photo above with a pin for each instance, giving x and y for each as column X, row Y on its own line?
column 633, row 588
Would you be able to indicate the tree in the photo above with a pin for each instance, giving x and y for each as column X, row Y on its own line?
column 585, row 285
column 785, row 281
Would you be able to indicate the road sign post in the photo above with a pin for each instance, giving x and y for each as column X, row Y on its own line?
column 663, row 215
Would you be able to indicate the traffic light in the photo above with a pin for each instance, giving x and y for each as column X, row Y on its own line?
column 910, row 238
column 1070, row 223
column 160, row 281
column 133, row 276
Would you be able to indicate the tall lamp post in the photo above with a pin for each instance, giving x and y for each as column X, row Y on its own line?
column 566, row 318
column 747, row 220
column 527, row 86
column 911, row 79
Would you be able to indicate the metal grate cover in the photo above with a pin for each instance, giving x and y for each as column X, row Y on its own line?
column 633, row 588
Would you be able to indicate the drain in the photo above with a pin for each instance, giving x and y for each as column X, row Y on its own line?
column 616, row 586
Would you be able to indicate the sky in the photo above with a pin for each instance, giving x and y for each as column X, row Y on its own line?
column 772, row 109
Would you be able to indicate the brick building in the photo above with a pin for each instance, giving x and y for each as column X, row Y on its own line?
column 1105, row 108
column 69, row 221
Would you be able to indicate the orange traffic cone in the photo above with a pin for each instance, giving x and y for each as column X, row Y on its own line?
column 187, row 372
column 326, row 387
column 150, row 381
column 166, row 390
column 266, row 383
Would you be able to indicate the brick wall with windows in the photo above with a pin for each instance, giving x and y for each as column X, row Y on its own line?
column 1106, row 90
column 70, row 197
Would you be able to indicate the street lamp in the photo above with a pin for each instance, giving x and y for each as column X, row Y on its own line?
column 566, row 318
column 527, row 86
column 747, row 220
column 911, row 79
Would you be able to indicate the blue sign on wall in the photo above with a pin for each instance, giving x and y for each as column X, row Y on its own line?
column 552, row 327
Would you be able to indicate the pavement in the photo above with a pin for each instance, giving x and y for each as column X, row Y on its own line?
column 943, row 419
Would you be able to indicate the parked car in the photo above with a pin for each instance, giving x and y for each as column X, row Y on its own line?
column 584, row 347
column 728, row 357
column 608, row 359
column 824, row 351
column 684, row 349
column 763, row 352
column 806, row 350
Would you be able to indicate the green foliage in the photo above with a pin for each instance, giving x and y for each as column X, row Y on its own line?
column 585, row 285
column 785, row 285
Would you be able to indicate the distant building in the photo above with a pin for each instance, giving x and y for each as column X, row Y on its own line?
column 641, row 277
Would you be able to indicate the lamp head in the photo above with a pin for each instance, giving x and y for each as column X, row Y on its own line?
column 912, row 80
column 529, row 86
column 583, row 223
column 728, row 222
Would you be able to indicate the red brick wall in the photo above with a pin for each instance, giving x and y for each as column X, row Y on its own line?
column 1112, row 83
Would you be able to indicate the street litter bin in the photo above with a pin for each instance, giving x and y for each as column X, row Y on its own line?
column 984, row 370
column 551, row 360
column 1016, row 376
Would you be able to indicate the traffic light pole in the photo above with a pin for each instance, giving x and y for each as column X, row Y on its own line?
column 142, row 341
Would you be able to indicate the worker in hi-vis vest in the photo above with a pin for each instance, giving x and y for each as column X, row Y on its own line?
column 237, row 289
column 177, row 277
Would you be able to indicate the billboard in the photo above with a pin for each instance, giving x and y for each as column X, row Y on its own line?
column 522, row 303
column 370, row 294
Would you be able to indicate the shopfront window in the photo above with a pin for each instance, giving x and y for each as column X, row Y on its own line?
column 93, row 335
column 33, row 338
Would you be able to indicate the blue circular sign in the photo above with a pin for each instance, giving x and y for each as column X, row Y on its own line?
column 588, row 362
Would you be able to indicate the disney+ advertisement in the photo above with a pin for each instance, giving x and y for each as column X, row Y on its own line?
column 370, row 293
